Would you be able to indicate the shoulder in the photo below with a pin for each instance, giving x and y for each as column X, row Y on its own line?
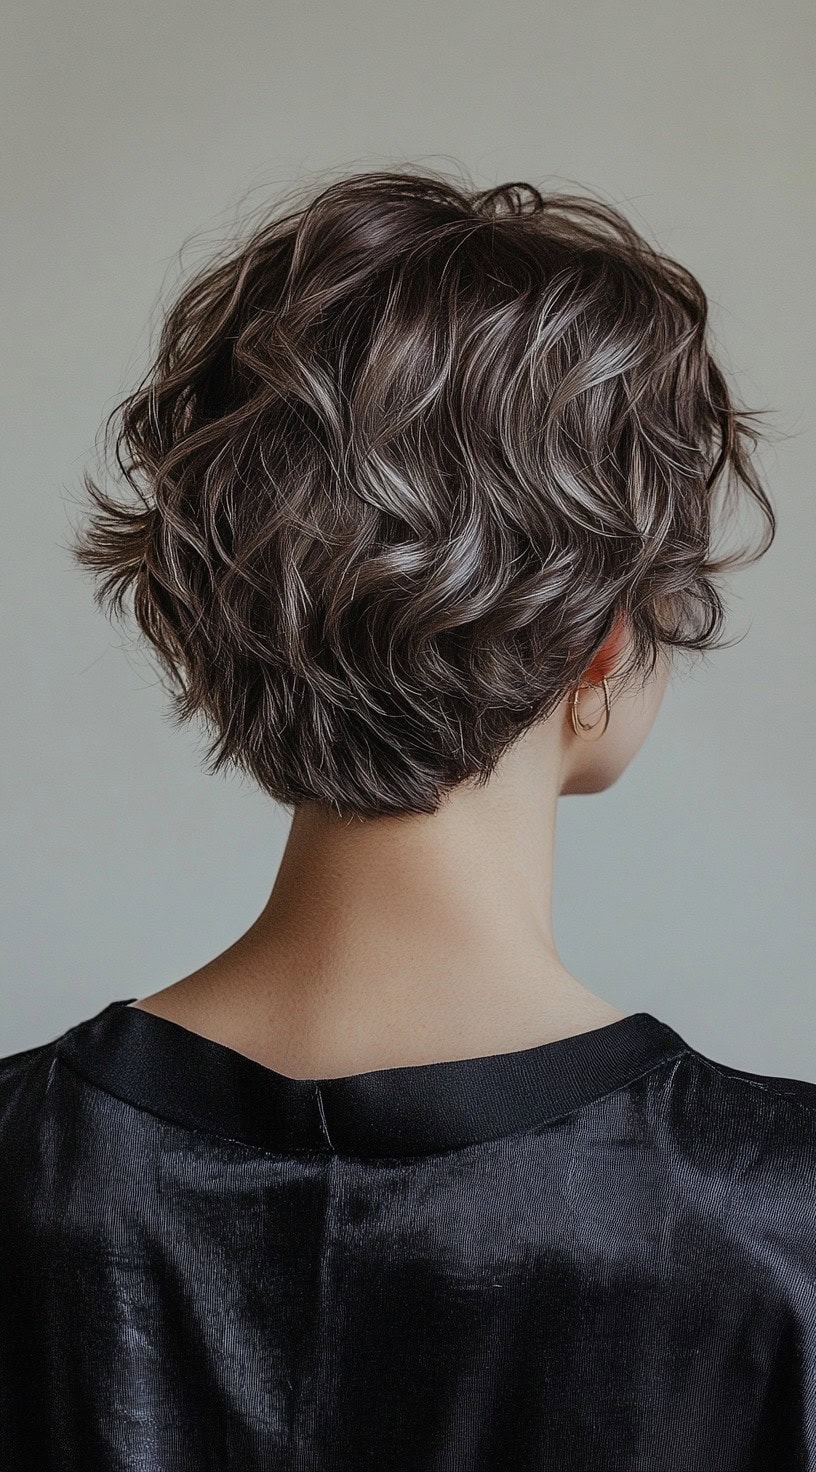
column 21, row 1071
column 28, row 1139
column 780, row 1107
column 25, row 1078
column 42, row 1101
column 35, row 1081
column 780, row 1098
column 746, row 1137
column 63, row 1152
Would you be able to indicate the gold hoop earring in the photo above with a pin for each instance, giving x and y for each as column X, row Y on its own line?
column 582, row 727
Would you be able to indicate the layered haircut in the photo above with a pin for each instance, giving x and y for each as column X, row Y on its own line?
column 401, row 459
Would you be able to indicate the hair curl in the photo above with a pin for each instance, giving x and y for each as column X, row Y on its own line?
column 399, row 462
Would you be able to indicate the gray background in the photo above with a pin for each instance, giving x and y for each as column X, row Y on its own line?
column 134, row 127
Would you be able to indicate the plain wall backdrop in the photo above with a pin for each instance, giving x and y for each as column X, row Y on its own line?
column 132, row 128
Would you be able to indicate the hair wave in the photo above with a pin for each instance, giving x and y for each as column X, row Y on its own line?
column 400, row 460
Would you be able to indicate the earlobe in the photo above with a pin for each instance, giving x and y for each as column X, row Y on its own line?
column 608, row 656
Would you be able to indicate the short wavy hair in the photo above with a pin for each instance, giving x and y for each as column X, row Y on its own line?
column 400, row 460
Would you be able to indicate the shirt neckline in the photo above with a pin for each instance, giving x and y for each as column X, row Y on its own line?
column 187, row 1079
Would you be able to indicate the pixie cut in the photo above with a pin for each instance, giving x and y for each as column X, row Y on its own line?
column 402, row 457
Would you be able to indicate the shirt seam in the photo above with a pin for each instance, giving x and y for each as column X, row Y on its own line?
column 322, row 1113
column 764, row 1086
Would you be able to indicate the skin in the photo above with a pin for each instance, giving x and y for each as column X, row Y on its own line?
column 403, row 941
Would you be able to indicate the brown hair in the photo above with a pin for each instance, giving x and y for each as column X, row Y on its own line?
column 400, row 460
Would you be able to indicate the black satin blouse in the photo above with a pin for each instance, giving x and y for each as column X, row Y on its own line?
column 595, row 1255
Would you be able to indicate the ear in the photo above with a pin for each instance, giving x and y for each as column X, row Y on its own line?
column 607, row 657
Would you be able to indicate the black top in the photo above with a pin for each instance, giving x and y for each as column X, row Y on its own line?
column 595, row 1255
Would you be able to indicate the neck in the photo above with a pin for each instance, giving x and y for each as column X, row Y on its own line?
column 402, row 940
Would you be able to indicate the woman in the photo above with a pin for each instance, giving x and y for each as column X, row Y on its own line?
column 425, row 489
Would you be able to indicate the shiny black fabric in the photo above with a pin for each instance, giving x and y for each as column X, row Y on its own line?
column 597, row 1255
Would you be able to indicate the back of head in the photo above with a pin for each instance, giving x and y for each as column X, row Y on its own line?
column 401, row 459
